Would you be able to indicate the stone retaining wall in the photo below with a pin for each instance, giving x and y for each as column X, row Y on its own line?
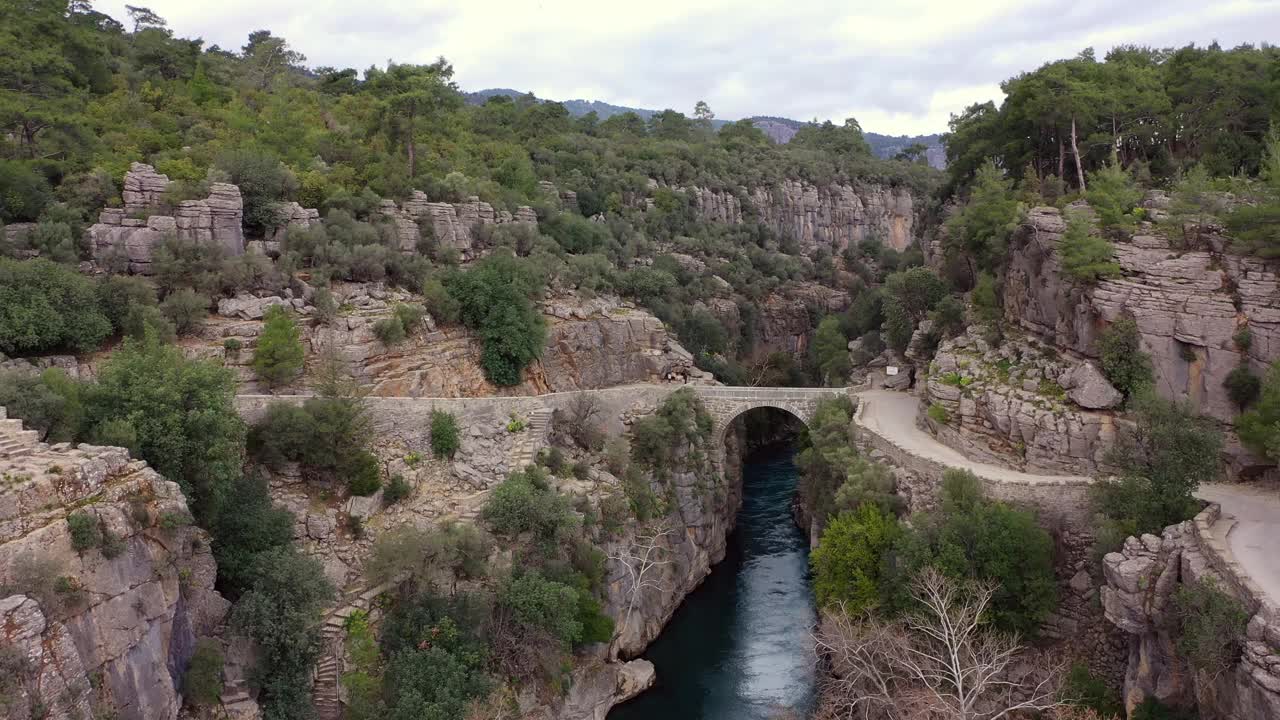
column 1061, row 500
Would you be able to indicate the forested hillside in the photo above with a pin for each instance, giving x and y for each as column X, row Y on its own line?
column 188, row 232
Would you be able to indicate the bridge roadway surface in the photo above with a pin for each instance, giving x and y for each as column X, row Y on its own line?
column 1254, row 540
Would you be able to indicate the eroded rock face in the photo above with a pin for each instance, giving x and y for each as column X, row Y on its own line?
column 1016, row 405
column 590, row 344
column 1187, row 306
column 830, row 216
column 1141, row 580
column 786, row 320
column 122, row 238
column 127, row 612
column 452, row 225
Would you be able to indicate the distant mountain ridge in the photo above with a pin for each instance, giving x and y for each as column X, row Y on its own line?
column 779, row 129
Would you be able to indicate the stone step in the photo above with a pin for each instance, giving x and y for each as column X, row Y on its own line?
column 8, row 425
column 3, row 413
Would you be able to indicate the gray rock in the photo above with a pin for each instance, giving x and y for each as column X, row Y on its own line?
column 1089, row 388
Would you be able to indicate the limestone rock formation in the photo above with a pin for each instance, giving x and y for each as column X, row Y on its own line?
column 1188, row 307
column 590, row 344
column 830, row 216
column 452, row 225
column 1009, row 405
column 1087, row 387
column 122, row 238
column 126, row 611
column 1141, row 580
column 144, row 189
column 786, row 321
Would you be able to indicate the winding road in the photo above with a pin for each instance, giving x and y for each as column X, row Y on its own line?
column 1254, row 539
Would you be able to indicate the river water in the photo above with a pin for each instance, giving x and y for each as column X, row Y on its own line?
column 739, row 648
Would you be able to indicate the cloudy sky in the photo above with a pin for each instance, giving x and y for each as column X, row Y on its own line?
column 899, row 66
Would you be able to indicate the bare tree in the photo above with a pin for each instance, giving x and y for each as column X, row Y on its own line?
column 940, row 662
column 580, row 420
column 640, row 558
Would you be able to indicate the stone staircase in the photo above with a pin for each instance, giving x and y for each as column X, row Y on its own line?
column 15, row 441
column 327, row 677
column 531, row 439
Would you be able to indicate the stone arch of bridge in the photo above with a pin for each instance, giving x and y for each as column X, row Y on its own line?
column 724, row 421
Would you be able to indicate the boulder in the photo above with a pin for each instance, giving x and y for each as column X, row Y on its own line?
column 1089, row 388
column 248, row 307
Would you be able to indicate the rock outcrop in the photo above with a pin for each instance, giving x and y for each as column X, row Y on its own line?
column 817, row 216
column 452, row 225
column 1188, row 306
column 590, row 344
column 106, row 629
column 126, row 237
column 1141, row 581
column 1017, row 405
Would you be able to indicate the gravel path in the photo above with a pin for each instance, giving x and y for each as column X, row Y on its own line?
column 1255, row 539
column 892, row 415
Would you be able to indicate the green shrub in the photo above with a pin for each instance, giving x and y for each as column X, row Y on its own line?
column 1211, row 626
column 181, row 414
column 279, row 611
column 1243, row 387
column 1084, row 689
column 515, row 423
column 85, row 531
column 202, row 682
column 396, row 490
column 279, row 355
column 545, row 604
column 1170, row 452
column 46, row 307
column 552, row 459
column 117, row 294
column 850, row 562
column 232, row 345
column 389, row 331
column 143, row 321
column 972, row 537
column 439, row 303
column 938, row 414
column 446, row 437
column 1123, row 361
column 645, row 503
column 525, row 503
column 495, row 301
column 1152, row 709
column 24, row 192
column 112, row 545
column 326, row 307
column 1243, row 339
column 186, row 309
column 363, row 474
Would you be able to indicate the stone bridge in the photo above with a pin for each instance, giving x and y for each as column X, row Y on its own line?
column 727, row 403
column 409, row 417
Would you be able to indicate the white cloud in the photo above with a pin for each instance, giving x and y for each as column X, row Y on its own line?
column 899, row 67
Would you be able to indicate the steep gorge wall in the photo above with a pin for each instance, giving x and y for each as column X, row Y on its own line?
column 105, row 631
column 1187, row 306
column 833, row 216
column 590, row 344
column 1141, row 581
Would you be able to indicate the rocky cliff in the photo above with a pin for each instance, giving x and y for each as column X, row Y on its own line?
column 125, row 237
column 817, row 216
column 590, row 344
column 1189, row 307
column 106, row 629
column 1021, row 405
column 1141, row 581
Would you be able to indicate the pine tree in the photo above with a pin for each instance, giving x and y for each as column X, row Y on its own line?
column 1086, row 258
column 279, row 355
